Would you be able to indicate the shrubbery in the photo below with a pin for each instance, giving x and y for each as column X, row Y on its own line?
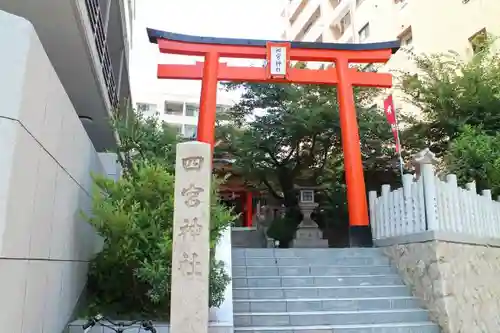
column 131, row 276
column 283, row 230
column 475, row 156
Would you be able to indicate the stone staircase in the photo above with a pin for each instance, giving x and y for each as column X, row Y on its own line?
column 322, row 290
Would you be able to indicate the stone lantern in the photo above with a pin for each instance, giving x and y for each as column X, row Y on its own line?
column 308, row 233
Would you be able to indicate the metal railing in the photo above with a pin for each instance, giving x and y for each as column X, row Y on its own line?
column 95, row 18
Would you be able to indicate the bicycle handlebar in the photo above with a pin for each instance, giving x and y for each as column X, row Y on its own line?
column 147, row 325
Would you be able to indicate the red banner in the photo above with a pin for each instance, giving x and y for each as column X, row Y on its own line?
column 390, row 113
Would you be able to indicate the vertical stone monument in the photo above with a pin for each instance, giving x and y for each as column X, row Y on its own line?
column 308, row 233
column 191, row 250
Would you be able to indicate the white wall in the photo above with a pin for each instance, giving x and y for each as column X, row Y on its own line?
column 224, row 314
column 45, row 160
column 111, row 167
column 452, row 23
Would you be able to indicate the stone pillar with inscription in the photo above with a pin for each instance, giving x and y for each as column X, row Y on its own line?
column 191, row 250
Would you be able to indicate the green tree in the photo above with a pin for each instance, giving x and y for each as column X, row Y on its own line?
column 452, row 91
column 475, row 156
column 131, row 276
column 297, row 138
column 145, row 138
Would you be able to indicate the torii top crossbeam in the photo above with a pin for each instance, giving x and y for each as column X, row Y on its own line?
column 173, row 43
column 278, row 55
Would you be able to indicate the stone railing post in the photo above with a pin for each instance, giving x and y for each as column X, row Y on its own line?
column 409, row 220
column 372, row 200
column 456, row 223
column 425, row 161
column 385, row 221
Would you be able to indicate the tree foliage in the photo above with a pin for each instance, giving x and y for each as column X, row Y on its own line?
column 452, row 91
column 131, row 275
column 459, row 99
column 297, row 139
column 475, row 156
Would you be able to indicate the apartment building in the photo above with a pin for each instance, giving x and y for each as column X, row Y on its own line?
column 180, row 111
column 427, row 26
column 88, row 44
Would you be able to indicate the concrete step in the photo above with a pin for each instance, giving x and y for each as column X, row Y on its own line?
column 305, row 253
column 329, row 317
column 415, row 327
column 241, row 271
column 317, row 281
column 324, row 304
column 314, row 261
column 320, row 292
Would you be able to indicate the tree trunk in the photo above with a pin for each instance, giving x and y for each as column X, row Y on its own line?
column 290, row 199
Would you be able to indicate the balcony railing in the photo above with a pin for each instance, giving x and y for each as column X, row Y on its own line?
column 340, row 19
column 315, row 16
column 95, row 18
column 295, row 7
column 339, row 30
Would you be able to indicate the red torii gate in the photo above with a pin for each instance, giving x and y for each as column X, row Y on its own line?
column 278, row 55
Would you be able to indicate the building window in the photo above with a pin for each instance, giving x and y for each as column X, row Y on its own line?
column 408, row 41
column 335, row 3
column 192, row 110
column 145, row 107
column 479, row 41
column 173, row 108
column 220, row 108
column 364, row 33
column 190, row 131
column 176, row 127
column 406, row 37
column 338, row 28
column 345, row 22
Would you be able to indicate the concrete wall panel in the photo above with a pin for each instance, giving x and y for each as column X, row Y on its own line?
column 45, row 162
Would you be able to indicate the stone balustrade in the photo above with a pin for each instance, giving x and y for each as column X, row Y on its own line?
column 445, row 242
column 428, row 203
